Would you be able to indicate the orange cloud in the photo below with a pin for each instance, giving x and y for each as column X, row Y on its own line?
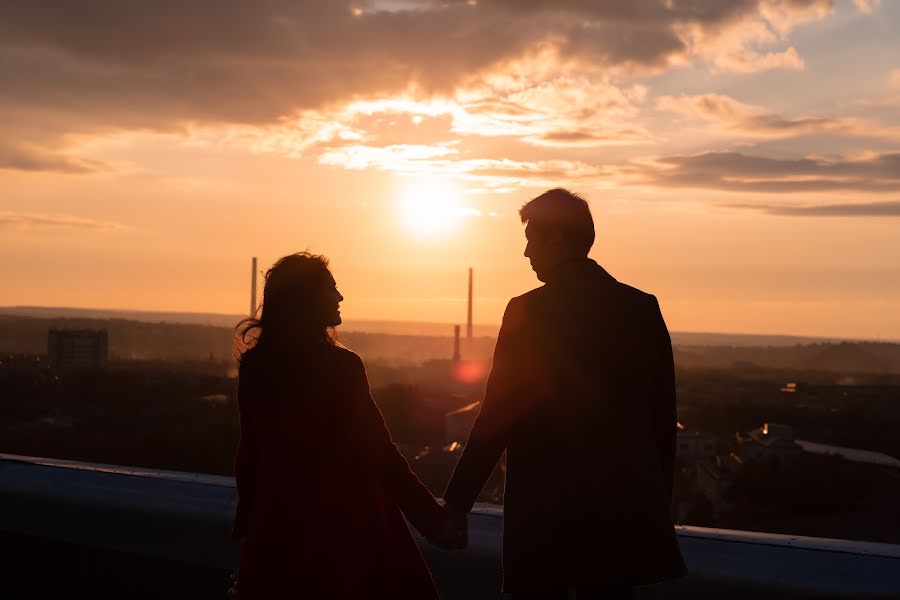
column 489, row 173
column 228, row 63
column 36, row 221
column 866, row 6
column 24, row 156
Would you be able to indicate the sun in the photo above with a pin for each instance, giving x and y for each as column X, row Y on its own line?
column 428, row 207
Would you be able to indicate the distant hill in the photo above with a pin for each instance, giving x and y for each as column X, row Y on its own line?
column 400, row 328
column 178, row 341
column 130, row 339
column 849, row 358
column 224, row 320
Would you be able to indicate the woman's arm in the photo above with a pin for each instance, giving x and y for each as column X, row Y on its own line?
column 382, row 456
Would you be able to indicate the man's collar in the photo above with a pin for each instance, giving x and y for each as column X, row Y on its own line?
column 574, row 267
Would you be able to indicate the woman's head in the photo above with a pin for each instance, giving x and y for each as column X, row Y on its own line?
column 300, row 305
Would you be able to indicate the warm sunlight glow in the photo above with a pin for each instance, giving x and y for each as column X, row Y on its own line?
column 429, row 206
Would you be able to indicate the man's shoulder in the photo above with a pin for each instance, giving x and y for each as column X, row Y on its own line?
column 529, row 296
column 531, row 302
column 522, row 304
column 633, row 294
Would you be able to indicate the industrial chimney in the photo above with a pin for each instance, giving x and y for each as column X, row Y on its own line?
column 253, row 289
column 456, row 354
column 469, row 321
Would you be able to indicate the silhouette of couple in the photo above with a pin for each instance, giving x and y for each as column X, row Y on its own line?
column 581, row 397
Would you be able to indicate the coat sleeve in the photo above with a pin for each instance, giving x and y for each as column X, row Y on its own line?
column 501, row 409
column 246, row 460
column 665, row 417
column 381, row 455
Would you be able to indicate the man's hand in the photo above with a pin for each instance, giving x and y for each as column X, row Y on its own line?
column 454, row 534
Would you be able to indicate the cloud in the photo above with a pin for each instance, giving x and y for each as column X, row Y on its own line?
column 547, row 103
column 530, row 100
column 493, row 174
column 741, row 172
column 750, row 45
column 866, row 6
column 29, row 157
column 402, row 158
column 752, row 120
column 36, row 221
column 863, row 209
column 96, row 67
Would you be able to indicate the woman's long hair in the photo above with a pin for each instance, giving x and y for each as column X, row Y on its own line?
column 292, row 319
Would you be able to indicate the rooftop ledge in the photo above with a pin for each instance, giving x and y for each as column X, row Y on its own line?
column 181, row 520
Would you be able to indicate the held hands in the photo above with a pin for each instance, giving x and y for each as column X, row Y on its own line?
column 453, row 534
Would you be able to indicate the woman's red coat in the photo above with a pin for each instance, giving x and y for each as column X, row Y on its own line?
column 322, row 488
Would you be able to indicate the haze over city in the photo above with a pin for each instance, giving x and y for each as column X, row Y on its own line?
column 742, row 162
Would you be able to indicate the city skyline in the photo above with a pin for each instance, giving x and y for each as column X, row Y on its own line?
column 742, row 160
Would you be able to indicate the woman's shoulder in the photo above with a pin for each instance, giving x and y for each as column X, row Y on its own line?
column 254, row 365
column 344, row 357
column 249, row 362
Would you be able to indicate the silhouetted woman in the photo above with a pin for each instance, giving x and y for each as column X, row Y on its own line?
column 322, row 488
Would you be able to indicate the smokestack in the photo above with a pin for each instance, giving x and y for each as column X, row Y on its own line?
column 253, row 289
column 456, row 355
column 469, row 321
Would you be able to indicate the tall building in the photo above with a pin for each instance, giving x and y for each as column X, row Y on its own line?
column 76, row 349
column 253, row 271
column 469, row 315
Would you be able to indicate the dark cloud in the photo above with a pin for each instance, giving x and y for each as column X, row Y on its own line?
column 742, row 172
column 132, row 63
column 580, row 137
column 742, row 117
column 777, row 123
column 646, row 12
column 864, row 209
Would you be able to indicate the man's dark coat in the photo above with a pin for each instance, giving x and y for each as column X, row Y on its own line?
column 581, row 396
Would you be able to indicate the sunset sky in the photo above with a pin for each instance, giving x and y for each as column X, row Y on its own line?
column 741, row 158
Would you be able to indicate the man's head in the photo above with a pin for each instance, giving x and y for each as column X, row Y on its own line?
column 559, row 228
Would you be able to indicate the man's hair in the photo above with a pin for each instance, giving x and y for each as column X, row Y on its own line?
column 561, row 210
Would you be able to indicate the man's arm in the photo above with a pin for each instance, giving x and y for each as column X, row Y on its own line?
column 665, row 417
column 490, row 433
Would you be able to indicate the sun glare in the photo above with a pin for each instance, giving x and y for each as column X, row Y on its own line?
column 429, row 207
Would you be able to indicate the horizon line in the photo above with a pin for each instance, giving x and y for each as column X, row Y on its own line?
column 448, row 323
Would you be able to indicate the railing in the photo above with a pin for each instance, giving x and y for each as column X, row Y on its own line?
column 71, row 528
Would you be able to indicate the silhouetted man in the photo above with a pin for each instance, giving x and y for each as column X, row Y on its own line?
column 581, row 397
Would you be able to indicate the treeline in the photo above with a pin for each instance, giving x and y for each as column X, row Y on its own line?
column 139, row 340
column 840, row 357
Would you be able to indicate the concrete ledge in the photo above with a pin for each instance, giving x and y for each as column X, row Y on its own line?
column 172, row 529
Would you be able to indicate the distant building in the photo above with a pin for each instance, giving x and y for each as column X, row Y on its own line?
column 695, row 446
column 714, row 478
column 77, row 349
column 458, row 423
column 772, row 441
column 21, row 361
